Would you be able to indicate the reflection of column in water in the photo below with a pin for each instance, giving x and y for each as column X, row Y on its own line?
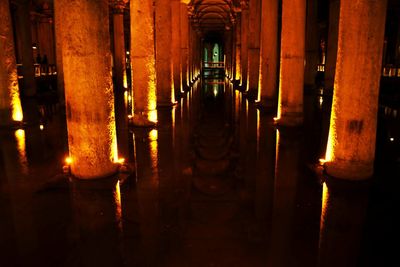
column 286, row 176
column 21, row 147
column 96, row 206
column 147, row 193
column 251, row 147
column 265, row 172
column 20, row 216
column 342, row 219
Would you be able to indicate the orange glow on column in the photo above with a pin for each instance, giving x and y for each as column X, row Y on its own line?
column 325, row 195
column 332, row 137
column 16, row 107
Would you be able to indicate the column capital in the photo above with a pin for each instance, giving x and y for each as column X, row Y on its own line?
column 244, row 4
column 118, row 6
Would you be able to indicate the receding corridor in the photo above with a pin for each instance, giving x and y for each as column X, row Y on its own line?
column 199, row 133
column 216, row 185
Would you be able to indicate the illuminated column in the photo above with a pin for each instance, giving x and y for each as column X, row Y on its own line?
column 332, row 44
column 351, row 143
column 290, row 104
column 184, row 45
column 243, row 34
column 10, row 104
column 312, row 45
column 143, row 63
column 89, row 97
column 60, row 73
column 253, row 47
column 24, row 37
column 268, row 54
column 164, row 67
column 228, row 53
column 176, row 44
column 121, row 115
column 238, row 72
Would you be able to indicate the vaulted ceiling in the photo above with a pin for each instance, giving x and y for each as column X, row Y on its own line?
column 213, row 15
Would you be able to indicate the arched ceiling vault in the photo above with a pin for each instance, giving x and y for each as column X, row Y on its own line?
column 213, row 15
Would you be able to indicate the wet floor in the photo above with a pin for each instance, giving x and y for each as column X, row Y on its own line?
column 216, row 184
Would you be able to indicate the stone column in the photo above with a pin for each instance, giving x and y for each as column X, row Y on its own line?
column 184, row 45
column 243, row 34
column 60, row 73
column 86, row 55
column 10, row 103
column 238, row 72
column 290, row 104
column 312, row 45
column 176, row 45
column 24, row 37
column 254, row 48
column 332, row 44
column 164, row 67
column 267, row 90
column 121, row 114
column 351, row 143
column 143, row 63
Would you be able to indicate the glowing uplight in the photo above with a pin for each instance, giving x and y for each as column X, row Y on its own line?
column 41, row 127
column 152, row 116
column 21, row 147
column 391, row 139
column 120, row 161
column 68, row 160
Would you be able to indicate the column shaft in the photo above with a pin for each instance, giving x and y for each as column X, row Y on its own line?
column 290, row 104
column 10, row 103
column 121, row 114
column 238, row 70
column 332, row 44
column 165, row 84
column 85, row 41
column 312, row 44
column 143, row 62
column 269, row 53
column 24, row 37
column 352, row 134
column 176, row 44
column 254, row 47
column 244, row 28
column 184, row 45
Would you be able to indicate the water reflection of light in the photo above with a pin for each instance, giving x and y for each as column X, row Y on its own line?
column 277, row 151
column 325, row 195
column 215, row 90
column 21, row 147
column 237, row 103
column 118, row 210
column 258, row 130
column 321, row 100
column 153, row 135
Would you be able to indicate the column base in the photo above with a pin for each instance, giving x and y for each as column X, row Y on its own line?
column 167, row 104
column 290, row 120
column 267, row 105
column 139, row 120
column 251, row 95
column 347, row 170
